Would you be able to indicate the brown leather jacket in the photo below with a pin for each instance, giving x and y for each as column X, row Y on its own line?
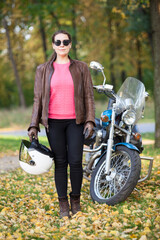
column 83, row 93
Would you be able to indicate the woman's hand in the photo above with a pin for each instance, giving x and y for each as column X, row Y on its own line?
column 88, row 130
column 33, row 132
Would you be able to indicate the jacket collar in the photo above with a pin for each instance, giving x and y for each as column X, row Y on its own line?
column 54, row 56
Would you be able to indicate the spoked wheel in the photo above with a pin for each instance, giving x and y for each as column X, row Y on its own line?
column 118, row 185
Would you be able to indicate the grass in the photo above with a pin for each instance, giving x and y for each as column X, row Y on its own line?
column 15, row 118
column 19, row 118
column 149, row 113
column 10, row 145
column 148, row 135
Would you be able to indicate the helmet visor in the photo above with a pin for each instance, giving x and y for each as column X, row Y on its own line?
column 23, row 153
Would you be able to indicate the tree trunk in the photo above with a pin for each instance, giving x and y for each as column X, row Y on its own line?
column 111, row 54
column 155, row 20
column 74, row 36
column 43, row 36
column 139, row 64
column 123, row 75
column 18, row 83
column 55, row 19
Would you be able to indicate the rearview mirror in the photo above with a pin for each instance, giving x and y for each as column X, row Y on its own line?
column 97, row 66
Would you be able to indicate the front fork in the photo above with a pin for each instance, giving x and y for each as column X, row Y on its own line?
column 110, row 143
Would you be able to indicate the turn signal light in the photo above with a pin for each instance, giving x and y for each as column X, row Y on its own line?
column 137, row 136
column 104, row 118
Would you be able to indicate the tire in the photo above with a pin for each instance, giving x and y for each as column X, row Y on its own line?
column 125, row 173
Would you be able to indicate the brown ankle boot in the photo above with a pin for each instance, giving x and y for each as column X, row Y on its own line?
column 75, row 203
column 64, row 207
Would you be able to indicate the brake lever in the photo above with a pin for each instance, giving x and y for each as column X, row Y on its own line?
column 86, row 134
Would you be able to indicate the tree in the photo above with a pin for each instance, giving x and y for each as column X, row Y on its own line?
column 43, row 36
column 155, row 20
column 113, row 33
column 10, row 52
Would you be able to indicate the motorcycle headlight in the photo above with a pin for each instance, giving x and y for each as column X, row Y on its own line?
column 129, row 117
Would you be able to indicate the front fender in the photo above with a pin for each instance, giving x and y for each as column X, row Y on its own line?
column 128, row 145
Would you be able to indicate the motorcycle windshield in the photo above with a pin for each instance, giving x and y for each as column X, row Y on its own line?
column 131, row 95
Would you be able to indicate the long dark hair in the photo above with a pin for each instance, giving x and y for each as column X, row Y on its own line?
column 61, row 31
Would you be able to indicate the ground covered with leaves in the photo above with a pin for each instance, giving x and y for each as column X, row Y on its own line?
column 29, row 210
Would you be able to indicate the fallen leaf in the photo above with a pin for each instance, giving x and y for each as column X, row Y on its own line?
column 147, row 229
column 143, row 237
column 23, row 217
column 115, row 233
column 117, row 224
column 126, row 211
column 130, row 230
column 158, row 196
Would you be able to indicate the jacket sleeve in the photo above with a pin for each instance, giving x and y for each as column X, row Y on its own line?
column 37, row 105
column 89, row 96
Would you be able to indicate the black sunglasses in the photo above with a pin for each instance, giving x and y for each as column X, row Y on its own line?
column 65, row 42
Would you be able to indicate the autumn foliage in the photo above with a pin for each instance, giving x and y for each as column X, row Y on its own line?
column 29, row 210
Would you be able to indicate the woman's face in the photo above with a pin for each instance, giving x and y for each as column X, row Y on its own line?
column 62, row 49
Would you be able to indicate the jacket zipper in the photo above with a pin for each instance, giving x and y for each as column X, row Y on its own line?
column 49, row 81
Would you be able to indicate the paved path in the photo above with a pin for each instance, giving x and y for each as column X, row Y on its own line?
column 143, row 127
column 146, row 127
column 22, row 132
column 8, row 163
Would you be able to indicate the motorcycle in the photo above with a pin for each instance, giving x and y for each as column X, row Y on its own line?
column 113, row 161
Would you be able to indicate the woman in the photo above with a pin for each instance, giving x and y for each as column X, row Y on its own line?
column 64, row 104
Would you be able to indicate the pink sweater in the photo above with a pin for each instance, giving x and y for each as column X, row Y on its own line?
column 61, row 104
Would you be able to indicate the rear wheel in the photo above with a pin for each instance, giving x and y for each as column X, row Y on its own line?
column 124, row 175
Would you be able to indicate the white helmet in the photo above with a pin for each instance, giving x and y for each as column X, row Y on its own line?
column 35, row 158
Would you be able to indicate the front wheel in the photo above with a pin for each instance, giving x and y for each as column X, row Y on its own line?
column 124, row 175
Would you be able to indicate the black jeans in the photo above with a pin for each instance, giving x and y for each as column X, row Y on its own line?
column 66, row 141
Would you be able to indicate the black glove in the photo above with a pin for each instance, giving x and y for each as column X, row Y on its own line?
column 33, row 132
column 88, row 130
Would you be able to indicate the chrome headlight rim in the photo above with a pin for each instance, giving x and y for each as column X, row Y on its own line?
column 129, row 117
